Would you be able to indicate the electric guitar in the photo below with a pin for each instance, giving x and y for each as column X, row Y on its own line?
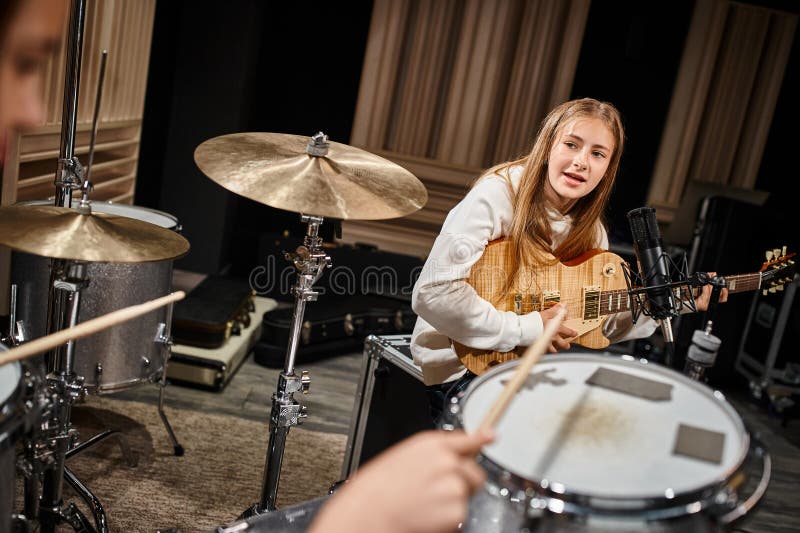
column 592, row 286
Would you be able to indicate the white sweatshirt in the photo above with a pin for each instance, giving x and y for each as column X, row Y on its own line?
column 449, row 308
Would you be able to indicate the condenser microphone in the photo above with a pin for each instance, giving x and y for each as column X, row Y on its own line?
column 653, row 269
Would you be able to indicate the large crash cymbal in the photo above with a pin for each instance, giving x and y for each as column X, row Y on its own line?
column 309, row 175
column 65, row 233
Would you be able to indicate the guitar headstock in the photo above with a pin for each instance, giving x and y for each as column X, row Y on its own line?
column 777, row 270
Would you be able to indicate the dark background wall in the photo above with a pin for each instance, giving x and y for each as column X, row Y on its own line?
column 284, row 67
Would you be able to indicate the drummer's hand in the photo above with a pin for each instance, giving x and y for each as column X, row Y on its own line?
column 563, row 335
column 422, row 484
column 704, row 298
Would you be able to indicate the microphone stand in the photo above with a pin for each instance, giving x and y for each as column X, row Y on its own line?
column 702, row 354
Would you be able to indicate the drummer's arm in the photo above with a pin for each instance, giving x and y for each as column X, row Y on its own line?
column 422, row 484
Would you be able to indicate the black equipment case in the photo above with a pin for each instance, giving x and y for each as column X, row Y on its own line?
column 391, row 400
column 332, row 325
column 216, row 308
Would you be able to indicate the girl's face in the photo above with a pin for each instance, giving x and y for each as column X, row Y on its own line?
column 578, row 161
column 31, row 36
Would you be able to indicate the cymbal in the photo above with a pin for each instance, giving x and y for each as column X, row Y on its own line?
column 320, row 177
column 65, row 233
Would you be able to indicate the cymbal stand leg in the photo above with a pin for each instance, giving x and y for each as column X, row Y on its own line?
column 122, row 439
column 311, row 261
column 165, row 338
column 91, row 500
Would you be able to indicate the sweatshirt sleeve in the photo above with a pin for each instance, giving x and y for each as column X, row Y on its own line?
column 442, row 296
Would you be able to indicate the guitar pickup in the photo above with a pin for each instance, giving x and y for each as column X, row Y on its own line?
column 549, row 299
column 591, row 302
column 518, row 303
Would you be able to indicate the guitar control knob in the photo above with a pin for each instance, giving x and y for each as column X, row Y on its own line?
column 609, row 269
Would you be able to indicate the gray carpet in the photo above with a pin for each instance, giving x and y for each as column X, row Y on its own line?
column 219, row 476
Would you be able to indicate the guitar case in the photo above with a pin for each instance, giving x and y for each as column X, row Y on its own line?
column 218, row 307
column 332, row 325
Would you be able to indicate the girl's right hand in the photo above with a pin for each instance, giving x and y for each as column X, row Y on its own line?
column 563, row 335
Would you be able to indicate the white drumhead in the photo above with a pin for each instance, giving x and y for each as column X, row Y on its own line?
column 599, row 442
column 145, row 214
column 10, row 374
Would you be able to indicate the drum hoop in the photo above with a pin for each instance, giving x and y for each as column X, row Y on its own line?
column 583, row 503
column 12, row 409
column 132, row 207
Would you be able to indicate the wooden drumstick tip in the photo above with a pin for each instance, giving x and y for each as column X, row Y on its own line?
column 530, row 357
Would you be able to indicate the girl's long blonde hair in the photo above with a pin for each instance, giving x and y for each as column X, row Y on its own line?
column 530, row 235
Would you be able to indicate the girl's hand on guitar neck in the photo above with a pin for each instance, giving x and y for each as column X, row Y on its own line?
column 563, row 335
column 704, row 297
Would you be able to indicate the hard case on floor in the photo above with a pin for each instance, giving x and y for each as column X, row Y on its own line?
column 332, row 325
column 213, row 368
column 391, row 402
column 216, row 308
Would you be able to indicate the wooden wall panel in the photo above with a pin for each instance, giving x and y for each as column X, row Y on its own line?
column 724, row 99
column 124, row 29
column 453, row 86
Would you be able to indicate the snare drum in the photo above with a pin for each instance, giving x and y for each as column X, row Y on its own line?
column 573, row 456
column 123, row 355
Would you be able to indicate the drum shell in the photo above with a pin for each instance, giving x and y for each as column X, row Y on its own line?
column 117, row 357
column 544, row 506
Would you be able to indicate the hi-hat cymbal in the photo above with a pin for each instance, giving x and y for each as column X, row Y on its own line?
column 64, row 233
column 312, row 176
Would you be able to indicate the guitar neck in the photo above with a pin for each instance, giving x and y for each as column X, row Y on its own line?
column 618, row 300
column 743, row 282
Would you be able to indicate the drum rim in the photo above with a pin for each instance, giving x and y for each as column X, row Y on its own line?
column 586, row 503
column 12, row 408
column 133, row 207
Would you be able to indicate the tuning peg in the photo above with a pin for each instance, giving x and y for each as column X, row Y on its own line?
column 779, row 286
column 776, row 252
column 783, row 251
column 764, row 292
column 773, row 290
column 769, row 255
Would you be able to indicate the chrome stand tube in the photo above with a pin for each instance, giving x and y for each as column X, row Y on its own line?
column 68, row 174
column 64, row 387
column 310, row 261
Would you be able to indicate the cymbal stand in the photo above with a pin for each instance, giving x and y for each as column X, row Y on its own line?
column 69, row 174
column 65, row 387
column 310, row 261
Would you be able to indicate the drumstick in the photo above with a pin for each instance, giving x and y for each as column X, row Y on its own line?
column 42, row 344
column 531, row 356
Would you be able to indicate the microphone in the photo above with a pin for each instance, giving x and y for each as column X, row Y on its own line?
column 653, row 271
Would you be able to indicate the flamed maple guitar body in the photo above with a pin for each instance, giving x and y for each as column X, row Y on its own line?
column 591, row 286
